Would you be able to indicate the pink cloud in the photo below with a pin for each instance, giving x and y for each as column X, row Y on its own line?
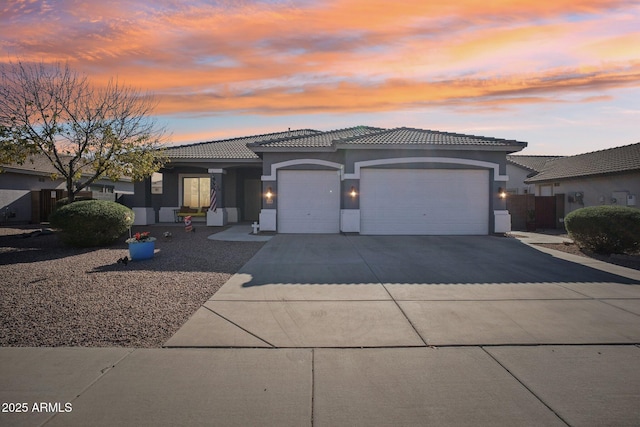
column 342, row 55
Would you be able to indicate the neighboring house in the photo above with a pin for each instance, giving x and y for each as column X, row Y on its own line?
column 357, row 180
column 522, row 167
column 606, row 177
column 28, row 191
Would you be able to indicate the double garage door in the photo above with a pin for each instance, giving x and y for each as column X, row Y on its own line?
column 424, row 201
column 392, row 201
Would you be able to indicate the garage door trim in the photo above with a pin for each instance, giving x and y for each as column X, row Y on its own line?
column 424, row 201
column 447, row 160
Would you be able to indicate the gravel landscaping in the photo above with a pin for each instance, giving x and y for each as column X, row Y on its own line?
column 53, row 295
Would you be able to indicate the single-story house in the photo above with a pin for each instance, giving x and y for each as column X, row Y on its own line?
column 29, row 191
column 605, row 177
column 362, row 179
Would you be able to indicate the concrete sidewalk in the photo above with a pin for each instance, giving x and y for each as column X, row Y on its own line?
column 473, row 331
column 452, row 386
column 240, row 233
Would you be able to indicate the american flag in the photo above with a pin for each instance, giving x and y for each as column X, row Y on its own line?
column 213, row 205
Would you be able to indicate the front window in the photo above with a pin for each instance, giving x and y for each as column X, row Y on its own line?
column 156, row 183
column 195, row 191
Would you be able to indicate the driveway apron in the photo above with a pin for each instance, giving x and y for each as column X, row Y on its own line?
column 342, row 291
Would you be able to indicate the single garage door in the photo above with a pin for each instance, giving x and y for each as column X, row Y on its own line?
column 424, row 201
column 308, row 201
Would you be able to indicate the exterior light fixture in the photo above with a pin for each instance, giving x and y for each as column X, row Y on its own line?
column 353, row 193
column 268, row 195
column 502, row 193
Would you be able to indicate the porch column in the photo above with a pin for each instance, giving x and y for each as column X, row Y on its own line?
column 217, row 217
column 142, row 208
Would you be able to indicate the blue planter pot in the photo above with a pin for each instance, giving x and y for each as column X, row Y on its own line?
column 141, row 250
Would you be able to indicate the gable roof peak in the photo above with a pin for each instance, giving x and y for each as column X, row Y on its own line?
column 320, row 139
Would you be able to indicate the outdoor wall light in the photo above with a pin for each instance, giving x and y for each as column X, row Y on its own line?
column 269, row 193
column 502, row 193
column 353, row 193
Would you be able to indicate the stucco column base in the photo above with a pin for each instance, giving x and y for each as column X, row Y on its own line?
column 350, row 220
column 144, row 216
column 217, row 218
column 268, row 220
column 168, row 214
column 502, row 221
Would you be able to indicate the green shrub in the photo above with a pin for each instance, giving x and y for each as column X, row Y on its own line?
column 65, row 200
column 605, row 229
column 90, row 223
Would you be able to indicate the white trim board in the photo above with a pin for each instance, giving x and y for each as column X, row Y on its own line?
column 276, row 166
column 404, row 160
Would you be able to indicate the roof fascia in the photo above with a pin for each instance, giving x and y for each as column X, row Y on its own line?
column 19, row 171
column 541, row 180
column 292, row 149
column 212, row 160
column 509, row 148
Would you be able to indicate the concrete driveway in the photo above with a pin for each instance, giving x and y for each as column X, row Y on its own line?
column 310, row 291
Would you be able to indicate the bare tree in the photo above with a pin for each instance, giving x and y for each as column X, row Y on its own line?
column 86, row 132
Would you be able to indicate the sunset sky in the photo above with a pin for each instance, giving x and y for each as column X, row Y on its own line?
column 562, row 75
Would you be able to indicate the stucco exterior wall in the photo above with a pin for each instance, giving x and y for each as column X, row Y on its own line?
column 16, row 188
column 349, row 162
column 15, row 181
column 516, row 184
column 597, row 190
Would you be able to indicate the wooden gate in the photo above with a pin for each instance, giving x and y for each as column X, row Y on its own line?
column 43, row 202
column 545, row 212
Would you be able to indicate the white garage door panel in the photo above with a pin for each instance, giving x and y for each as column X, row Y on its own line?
column 424, row 201
column 308, row 201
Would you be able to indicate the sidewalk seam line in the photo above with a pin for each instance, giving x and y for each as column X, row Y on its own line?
column 238, row 326
column 525, row 386
column 103, row 372
column 615, row 306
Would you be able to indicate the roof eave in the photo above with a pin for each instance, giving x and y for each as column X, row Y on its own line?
column 211, row 159
column 444, row 147
column 518, row 165
column 8, row 169
column 263, row 149
column 539, row 180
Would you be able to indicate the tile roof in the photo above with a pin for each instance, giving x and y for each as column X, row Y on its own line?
column 36, row 164
column 321, row 139
column 410, row 136
column 39, row 164
column 532, row 163
column 245, row 147
column 612, row 160
column 235, row 148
